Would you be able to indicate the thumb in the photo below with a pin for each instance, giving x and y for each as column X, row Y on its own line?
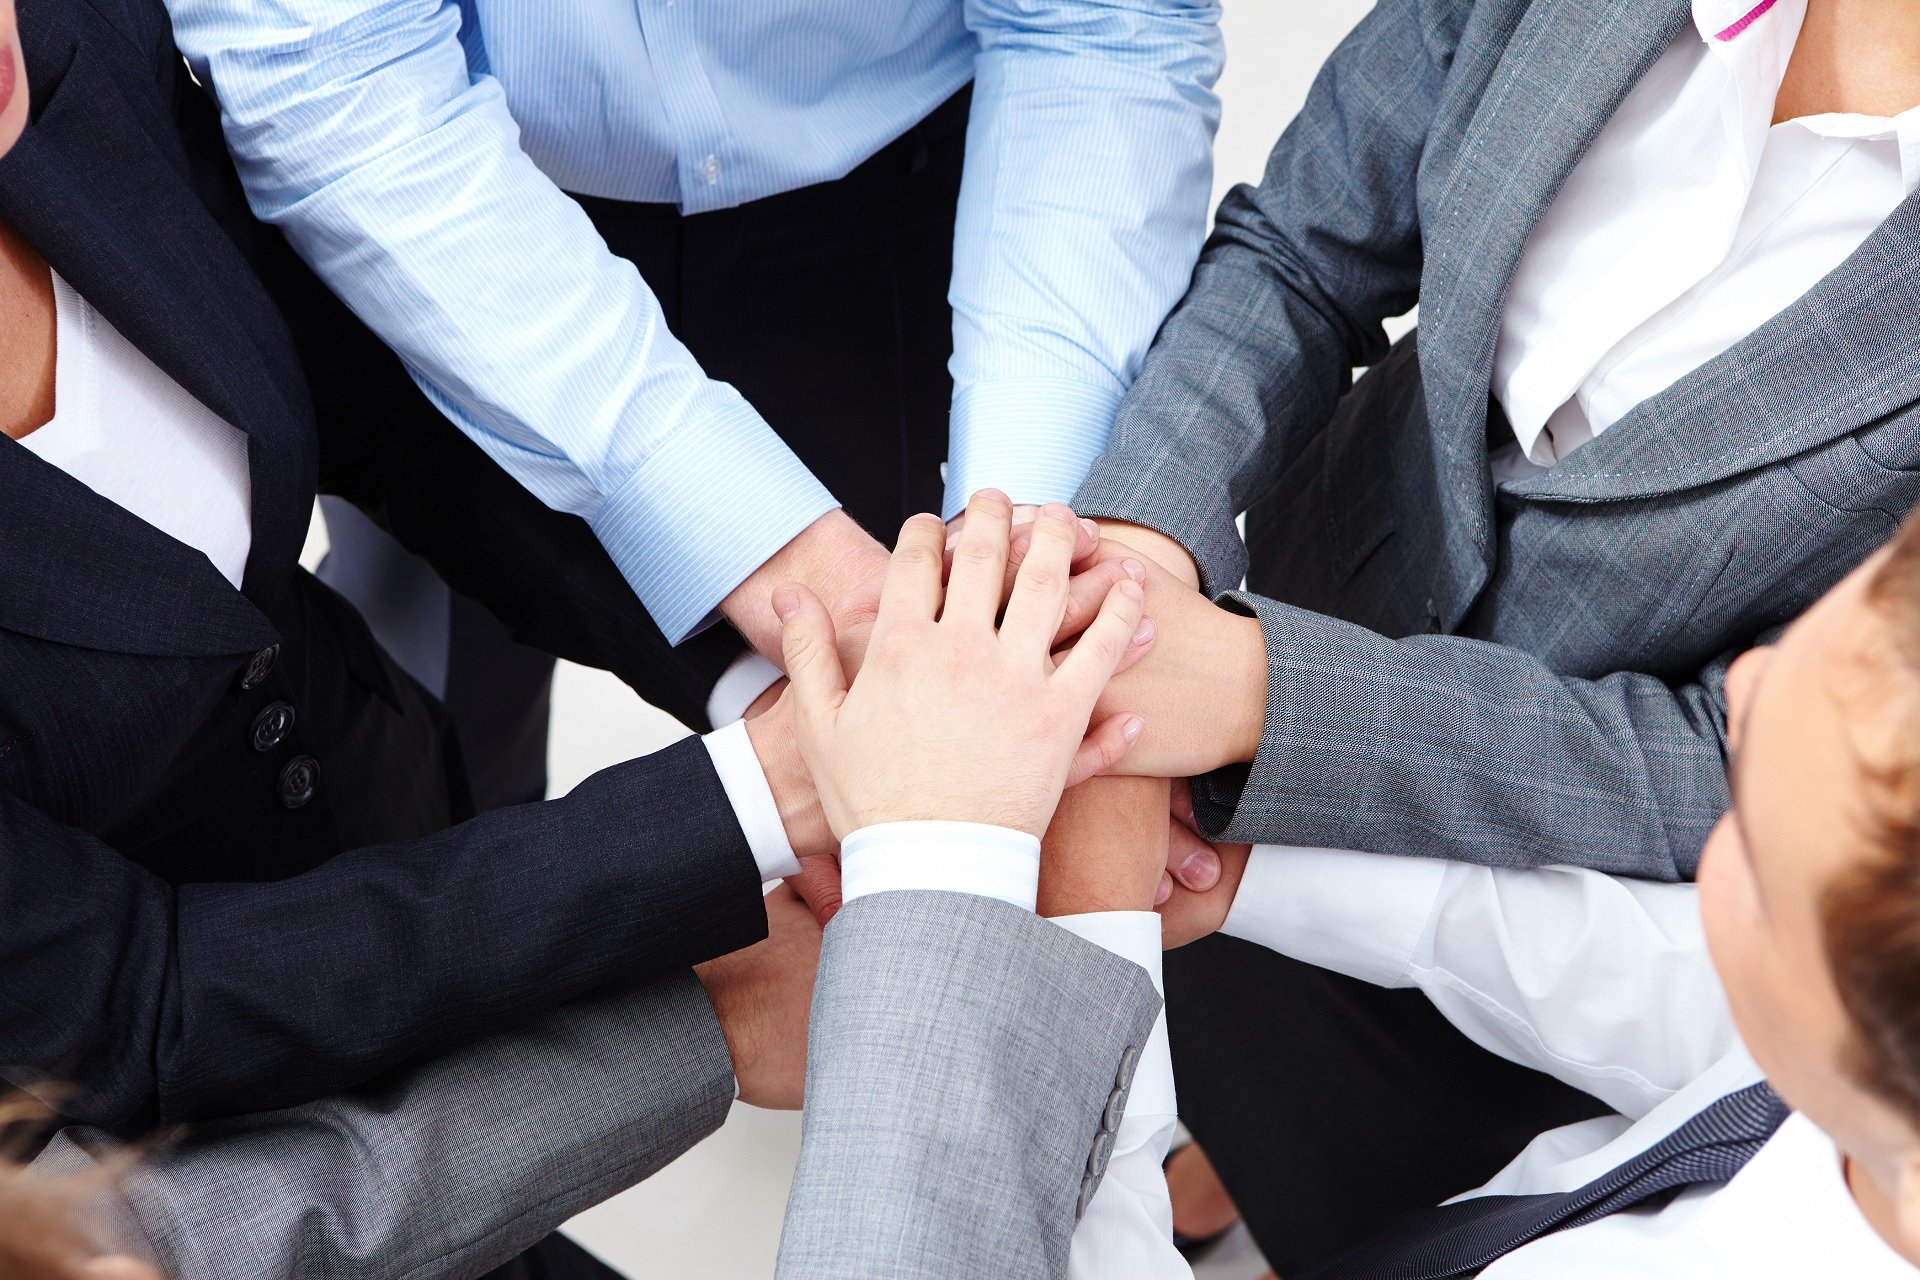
column 808, row 646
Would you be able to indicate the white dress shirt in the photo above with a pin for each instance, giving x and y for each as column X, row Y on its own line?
column 1690, row 222
column 134, row 436
column 1605, row 984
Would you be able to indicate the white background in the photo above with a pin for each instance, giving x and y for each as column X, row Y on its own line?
column 715, row 1214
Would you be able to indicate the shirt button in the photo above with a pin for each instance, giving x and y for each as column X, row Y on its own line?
column 710, row 170
column 259, row 666
column 270, row 727
column 298, row 781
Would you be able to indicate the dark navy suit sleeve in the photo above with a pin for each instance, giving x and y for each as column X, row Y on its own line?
column 160, row 1004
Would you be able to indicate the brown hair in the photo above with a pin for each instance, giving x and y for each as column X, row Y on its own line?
column 1871, row 915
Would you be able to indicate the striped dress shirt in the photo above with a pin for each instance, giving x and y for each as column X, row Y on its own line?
column 416, row 153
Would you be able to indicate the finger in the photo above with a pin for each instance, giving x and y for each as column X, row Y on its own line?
column 1165, row 891
column 1088, row 591
column 1039, row 598
column 818, row 885
column 1104, row 746
column 979, row 561
column 1086, row 541
column 912, row 587
column 1084, row 672
column 1193, row 862
column 817, row 680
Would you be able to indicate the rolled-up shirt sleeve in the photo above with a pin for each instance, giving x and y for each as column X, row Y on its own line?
column 397, row 173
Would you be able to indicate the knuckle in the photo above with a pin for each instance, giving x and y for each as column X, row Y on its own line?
column 1040, row 578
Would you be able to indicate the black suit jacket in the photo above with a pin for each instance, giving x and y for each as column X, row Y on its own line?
column 195, row 923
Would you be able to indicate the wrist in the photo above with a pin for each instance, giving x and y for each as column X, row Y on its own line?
column 1106, row 848
column 832, row 556
column 1156, row 546
column 778, row 752
column 1246, row 671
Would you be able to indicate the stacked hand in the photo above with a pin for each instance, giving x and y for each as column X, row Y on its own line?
column 955, row 716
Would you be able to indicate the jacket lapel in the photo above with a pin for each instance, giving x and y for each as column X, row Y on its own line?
column 103, row 201
column 78, row 569
column 1565, row 71
column 1837, row 359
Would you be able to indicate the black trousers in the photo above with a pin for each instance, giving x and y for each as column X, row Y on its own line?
column 827, row 309
column 1329, row 1106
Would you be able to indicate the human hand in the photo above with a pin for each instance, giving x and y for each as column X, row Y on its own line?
column 775, row 745
column 954, row 717
column 762, row 995
column 833, row 557
column 1106, row 849
column 1198, row 886
column 1202, row 690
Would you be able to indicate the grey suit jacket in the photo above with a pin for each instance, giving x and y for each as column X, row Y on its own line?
column 443, row 1170
column 964, row 1061
column 1513, row 675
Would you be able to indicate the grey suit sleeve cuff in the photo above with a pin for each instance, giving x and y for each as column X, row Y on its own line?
column 1164, row 494
column 443, row 1170
column 964, row 1059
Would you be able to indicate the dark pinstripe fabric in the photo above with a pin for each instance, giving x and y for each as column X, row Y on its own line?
column 1463, row 1239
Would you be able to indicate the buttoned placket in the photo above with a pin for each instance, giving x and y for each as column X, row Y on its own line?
column 702, row 139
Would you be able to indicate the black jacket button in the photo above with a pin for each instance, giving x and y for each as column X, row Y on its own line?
column 259, row 666
column 270, row 727
column 298, row 781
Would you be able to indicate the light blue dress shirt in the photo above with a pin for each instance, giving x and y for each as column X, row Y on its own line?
column 416, row 152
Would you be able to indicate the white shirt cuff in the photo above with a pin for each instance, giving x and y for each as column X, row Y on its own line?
column 745, row 679
column 1135, row 936
column 745, row 783
column 1361, row 914
column 957, row 857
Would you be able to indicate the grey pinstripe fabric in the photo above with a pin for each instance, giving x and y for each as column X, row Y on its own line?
column 441, row 1172
column 960, row 1054
column 1522, row 675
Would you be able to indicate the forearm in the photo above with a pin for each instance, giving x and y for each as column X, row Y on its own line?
column 833, row 555
column 1082, row 208
column 348, row 119
column 1454, row 748
column 1599, row 981
column 295, row 989
column 1289, row 297
column 495, row 1146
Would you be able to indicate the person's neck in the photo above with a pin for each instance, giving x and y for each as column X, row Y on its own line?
column 1853, row 56
column 26, row 337
column 1877, row 1207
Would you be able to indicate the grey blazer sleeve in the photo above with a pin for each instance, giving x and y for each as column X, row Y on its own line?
column 1288, row 297
column 964, row 1059
column 1471, row 751
column 443, row 1170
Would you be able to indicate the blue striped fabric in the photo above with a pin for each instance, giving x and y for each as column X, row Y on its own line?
column 415, row 152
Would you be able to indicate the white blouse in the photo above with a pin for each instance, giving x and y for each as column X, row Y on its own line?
column 134, row 436
column 1691, row 221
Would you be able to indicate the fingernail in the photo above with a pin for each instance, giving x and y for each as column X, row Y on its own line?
column 1131, row 729
column 1145, row 633
column 953, row 540
column 1135, row 570
column 1091, row 529
column 1199, row 870
column 786, row 603
column 1163, row 890
column 1131, row 590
